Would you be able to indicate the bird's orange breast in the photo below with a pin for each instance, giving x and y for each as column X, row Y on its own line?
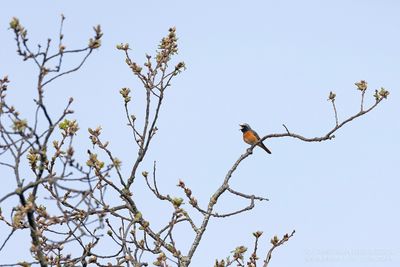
column 250, row 138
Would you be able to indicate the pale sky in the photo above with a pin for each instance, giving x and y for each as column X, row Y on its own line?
column 261, row 62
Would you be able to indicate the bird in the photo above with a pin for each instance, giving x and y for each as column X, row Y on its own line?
column 251, row 137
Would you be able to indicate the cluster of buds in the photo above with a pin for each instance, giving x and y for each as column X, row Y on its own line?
column 168, row 47
column 179, row 67
column 17, row 27
column 257, row 234
column 3, row 85
column 188, row 193
column 161, row 260
column 134, row 66
column 332, row 96
column 94, row 135
column 138, row 216
column 20, row 36
column 140, row 244
column 219, row 263
column 33, row 157
column 19, row 126
column 61, row 48
column 125, row 94
column 154, row 131
column 148, row 64
column 177, row 201
column 55, row 260
column 361, row 85
column 238, row 252
column 126, row 192
column 44, row 220
column 124, row 47
column 57, row 146
column 274, row 240
column 68, row 127
column 286, row 237
column 381, row 94
column 70, row 151
column 18, row 220
column 93, row 162
column 92, row 259
column 117, row 163
column 95, row 42
column 41, row 210
column 44, row 71
column 144, row 225
column 80, row 215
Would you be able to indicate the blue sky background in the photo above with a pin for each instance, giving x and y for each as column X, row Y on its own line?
column 260, row 62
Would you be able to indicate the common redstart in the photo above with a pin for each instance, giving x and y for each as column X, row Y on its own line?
column 251, row 137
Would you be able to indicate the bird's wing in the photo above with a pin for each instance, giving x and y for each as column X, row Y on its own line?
column 254, row 132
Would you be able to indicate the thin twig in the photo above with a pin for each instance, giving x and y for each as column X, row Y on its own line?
column 275, row 245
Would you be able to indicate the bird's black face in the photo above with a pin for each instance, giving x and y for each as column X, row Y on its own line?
column 244, row 127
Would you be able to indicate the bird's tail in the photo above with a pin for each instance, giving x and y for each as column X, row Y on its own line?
column 264, row 147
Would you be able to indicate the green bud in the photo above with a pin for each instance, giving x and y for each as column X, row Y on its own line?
column 274, row 240
column 361, row 85
column 257, row 234
column 332, row 96
column 177, row 201
column 138, row 216
column 14, row 23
